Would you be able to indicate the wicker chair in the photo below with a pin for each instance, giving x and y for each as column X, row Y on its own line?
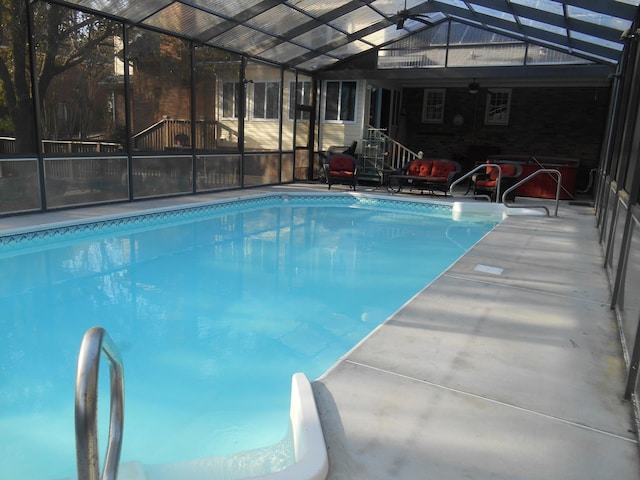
column 341, row 169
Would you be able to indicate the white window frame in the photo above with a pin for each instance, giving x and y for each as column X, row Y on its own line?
column 266, row 99
column 306, row 96
column 433, row 105
column 236, row 96
column 339, row 105
column 498, row 106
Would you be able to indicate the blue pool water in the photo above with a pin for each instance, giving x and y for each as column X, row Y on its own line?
column 213, row 309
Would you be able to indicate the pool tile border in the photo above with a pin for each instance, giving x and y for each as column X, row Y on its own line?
column 159, row 217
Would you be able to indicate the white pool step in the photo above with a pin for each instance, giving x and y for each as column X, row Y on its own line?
column 310, row 460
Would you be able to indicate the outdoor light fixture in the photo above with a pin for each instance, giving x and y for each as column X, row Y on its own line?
column 474, row 87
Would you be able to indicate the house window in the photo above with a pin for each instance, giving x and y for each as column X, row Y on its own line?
column 433, row 106
column 340, row 101
column 299, row 94
column 230, row 99
column 498, row 106
column 266, row 100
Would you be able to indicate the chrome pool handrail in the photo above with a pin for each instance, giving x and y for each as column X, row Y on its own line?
column 482, row 166
column 550, row 172
column 95, row 342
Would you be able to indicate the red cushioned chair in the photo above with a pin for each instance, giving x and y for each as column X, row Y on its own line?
column 342, row 169
column 486, row 183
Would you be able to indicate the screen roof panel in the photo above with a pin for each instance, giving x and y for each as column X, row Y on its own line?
column 132, row 10
column 278, row 20
column 244, row 39
column 357, row 20
column 283, row 52
column 225, row 7
column 328, row 29
column 181, row 20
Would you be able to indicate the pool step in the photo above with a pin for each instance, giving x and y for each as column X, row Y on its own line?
column 131, row 471
column 240, row 465
column 126, row 471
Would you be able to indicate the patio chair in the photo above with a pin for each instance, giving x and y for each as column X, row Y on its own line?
column 334, row 150
column 341, row 169
column 486, row 183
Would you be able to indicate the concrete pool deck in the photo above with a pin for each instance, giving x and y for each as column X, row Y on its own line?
column 508, row 366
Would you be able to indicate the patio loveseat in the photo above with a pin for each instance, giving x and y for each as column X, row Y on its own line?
column 430, row 174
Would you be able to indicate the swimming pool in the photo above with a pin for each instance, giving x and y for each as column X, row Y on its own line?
column 213, row 308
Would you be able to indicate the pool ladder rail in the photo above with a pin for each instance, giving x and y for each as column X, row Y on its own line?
column 95, row 342
column 549, row 171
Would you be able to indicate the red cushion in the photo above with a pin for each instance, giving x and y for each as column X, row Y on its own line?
column 493, row 174
column 420, row 168
column 342, row 163
column 442, row 169
column 341, row 173
column 508, row 170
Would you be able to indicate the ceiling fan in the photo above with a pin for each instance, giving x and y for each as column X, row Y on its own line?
column 474, row 87
column 404, row 15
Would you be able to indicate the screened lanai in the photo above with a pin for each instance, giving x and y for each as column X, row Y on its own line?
column 117, row 101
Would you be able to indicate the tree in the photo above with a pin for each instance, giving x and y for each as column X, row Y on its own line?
column 64, row 39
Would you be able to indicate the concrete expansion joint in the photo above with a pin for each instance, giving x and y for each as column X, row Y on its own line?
column 496, row 402
column 524, row 289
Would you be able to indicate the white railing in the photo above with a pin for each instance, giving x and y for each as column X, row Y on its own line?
column 397, row 155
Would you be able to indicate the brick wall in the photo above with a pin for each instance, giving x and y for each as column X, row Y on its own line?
column 550, row 121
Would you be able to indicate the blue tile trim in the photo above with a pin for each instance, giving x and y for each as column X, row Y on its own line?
column 158, row 218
